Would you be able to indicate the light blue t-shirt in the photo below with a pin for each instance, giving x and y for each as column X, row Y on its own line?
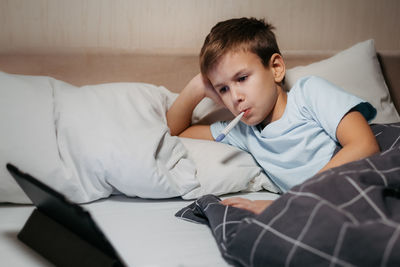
column 302, row 141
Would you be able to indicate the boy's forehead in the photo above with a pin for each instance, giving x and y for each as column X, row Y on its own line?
column 230, row 63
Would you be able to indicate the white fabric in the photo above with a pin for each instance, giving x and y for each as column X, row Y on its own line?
column 27, row 136
column 356, row 70
column 93, row 141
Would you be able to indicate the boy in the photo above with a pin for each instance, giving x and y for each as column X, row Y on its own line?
column 292, row 135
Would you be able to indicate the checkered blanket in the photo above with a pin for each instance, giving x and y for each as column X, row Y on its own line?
column 347, row 216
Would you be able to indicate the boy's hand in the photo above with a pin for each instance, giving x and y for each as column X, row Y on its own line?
column 202, row 82
column 256, row 206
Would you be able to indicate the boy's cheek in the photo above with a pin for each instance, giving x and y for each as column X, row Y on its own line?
column 226, row 104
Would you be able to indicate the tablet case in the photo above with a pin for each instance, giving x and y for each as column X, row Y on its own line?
column 61, row 231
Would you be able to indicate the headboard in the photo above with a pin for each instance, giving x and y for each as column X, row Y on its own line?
column 171, row 71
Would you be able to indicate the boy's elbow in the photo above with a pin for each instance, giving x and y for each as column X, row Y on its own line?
column 173, row 133
column 370, row 147
column 375, row 149
column 177, row 133
column 172, row 130
column 176, row 127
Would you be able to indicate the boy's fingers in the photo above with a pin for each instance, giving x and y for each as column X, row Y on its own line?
column 256, row 206
column 234, row 200
column 226, row 201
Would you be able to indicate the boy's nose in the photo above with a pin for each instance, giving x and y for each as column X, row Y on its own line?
column 237, row 96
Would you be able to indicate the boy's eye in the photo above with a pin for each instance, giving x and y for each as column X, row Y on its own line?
column 242, row 79
column 223, row 89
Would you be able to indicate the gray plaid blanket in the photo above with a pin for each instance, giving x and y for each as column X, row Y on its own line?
column 346, row 216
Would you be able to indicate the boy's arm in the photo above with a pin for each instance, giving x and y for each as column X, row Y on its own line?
column 179, row 116
column 356, row 138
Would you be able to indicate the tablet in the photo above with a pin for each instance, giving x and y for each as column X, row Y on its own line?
column 70, row 215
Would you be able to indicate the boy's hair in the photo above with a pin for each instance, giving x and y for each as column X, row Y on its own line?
column 247, row 34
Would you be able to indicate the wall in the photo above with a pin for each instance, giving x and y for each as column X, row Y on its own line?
column 179, row 26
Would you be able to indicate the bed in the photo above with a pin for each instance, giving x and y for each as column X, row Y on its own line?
column 139, row 218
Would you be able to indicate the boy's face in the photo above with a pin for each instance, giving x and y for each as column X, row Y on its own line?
column 245, row 84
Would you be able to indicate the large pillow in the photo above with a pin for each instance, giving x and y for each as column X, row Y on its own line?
column 93, row 141
column 48, row 133
column 114, row 137
column 27, row 136
column 357, row 71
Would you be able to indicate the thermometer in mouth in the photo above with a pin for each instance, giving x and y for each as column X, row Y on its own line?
column 228, row 128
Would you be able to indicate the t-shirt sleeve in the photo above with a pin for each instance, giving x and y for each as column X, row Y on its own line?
column 328, row 103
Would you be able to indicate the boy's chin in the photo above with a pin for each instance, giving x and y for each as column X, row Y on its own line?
column 256, row 123
column 251, row 123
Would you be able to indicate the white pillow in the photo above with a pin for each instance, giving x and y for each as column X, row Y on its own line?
column 115, row 136
column 35, row 136
column 357, row 71
column 92, row 141
column 27, row 136
column 223, row 169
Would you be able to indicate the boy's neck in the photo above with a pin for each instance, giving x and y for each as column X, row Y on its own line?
column 278, row 109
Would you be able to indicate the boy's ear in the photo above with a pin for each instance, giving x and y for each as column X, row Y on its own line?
column 278, row 67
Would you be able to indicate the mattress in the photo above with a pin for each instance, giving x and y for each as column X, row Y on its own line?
column 144, row 232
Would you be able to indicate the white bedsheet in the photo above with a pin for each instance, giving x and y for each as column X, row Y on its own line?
column 144, row 232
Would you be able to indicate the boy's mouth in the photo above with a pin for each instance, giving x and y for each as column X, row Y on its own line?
column 246, row 112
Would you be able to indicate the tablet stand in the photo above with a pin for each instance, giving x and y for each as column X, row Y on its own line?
column 61, row 246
